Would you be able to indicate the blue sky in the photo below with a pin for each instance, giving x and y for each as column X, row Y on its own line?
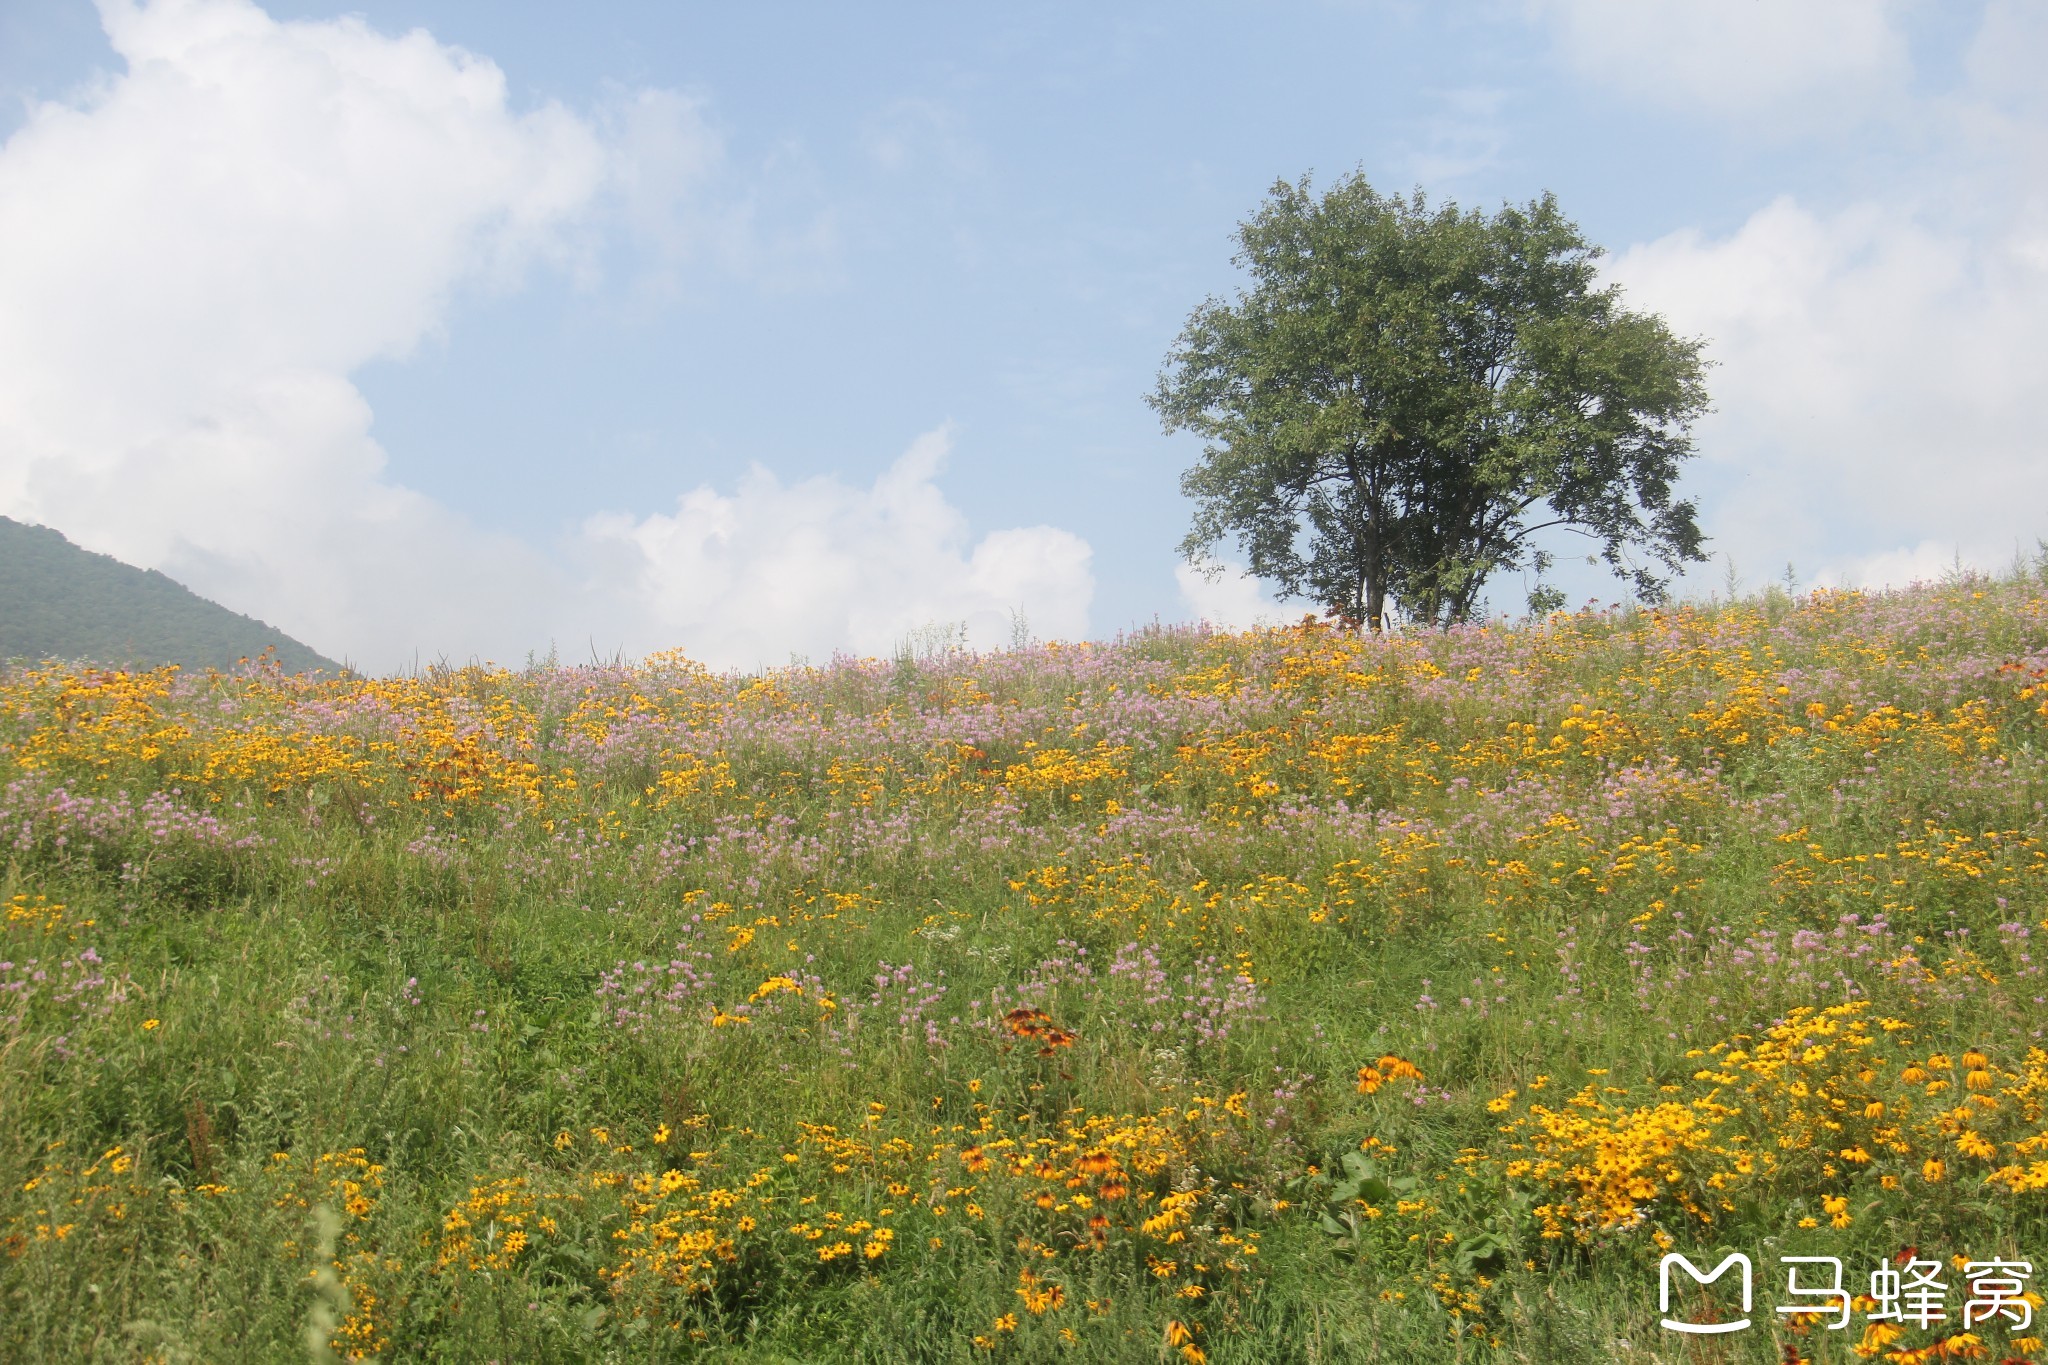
column 455, row 329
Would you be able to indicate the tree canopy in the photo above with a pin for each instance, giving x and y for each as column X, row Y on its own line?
column 1406, row 396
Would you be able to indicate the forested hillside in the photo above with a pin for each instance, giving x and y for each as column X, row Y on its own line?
column 58, row 601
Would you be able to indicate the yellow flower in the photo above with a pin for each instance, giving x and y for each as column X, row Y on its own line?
column 1932, row 1169
column 149, row 1024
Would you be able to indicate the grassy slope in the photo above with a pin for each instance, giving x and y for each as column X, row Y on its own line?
column 60, row 602
column 617, row 1014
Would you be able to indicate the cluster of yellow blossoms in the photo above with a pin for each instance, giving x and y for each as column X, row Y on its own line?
column 682, row 1222
column 1827, row 1101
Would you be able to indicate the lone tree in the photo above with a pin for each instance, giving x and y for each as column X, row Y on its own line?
column 1405, row 396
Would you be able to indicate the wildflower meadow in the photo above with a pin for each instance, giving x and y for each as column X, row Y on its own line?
column 1285, row 995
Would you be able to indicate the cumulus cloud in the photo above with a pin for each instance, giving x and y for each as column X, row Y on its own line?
column 1229, row 599
column 752, row 576
column 1745, row 60
column 1926, row 562
column 197, row 254
column 1878, row 371
column 1879, row 357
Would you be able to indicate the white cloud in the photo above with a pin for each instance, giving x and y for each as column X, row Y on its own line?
column 1745, row 58
column 1230, row 600
column 1879, row 373
column 1879, row 359
column 749, row 577
column 195, row 258
column 2004, row 59
column 1926, row 562
column 192, row 262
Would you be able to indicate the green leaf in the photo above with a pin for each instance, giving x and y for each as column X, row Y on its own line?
column 1482, row 1254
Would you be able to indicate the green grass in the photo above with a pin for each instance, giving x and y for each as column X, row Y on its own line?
column 420, row 960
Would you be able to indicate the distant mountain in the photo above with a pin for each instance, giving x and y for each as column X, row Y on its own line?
column 60, row 602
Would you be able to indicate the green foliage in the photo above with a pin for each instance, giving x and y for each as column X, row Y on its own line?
column 328, row 1010
column 1406, row 396
column 1353, row 1180
column 60, row 602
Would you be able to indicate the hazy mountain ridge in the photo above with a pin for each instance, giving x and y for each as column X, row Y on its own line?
column 58, row 601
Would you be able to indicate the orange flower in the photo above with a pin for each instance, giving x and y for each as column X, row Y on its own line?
column 1388, row 1068
column 1029, row 1023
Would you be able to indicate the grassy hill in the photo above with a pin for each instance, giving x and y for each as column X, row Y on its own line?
column 58, row 601
column 1281, row 996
